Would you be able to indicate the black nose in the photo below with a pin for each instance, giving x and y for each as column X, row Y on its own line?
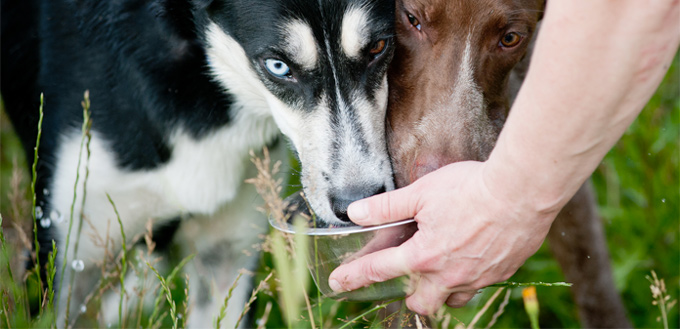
column 340, row 200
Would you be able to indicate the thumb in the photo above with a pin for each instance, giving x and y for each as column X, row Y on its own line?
column 385, row 207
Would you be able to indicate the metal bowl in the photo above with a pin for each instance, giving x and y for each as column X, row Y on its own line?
column 330, row 247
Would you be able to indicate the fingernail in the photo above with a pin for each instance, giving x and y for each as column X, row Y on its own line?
column 358, row 210
column 335, row 285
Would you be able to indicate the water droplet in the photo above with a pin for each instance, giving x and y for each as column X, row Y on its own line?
column 563, row 234
column 46, row 192
column 78, row 265
column 45, row 222
column 83, row 308
column 588, row 256
column 38, row 212
column 56, row 216
column 179, row 316
column 663, row 200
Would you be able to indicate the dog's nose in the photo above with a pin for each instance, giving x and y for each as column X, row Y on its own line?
column 341, row 200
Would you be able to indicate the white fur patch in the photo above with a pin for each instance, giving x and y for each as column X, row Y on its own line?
column 371, row 120
column 465, row 103
column 354, row 31
column 467, row 95
column 231, row 68
column 300, row 44
column 201, row 176
column 466, row 85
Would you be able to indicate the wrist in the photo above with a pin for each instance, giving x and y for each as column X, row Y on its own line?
column 526, row 189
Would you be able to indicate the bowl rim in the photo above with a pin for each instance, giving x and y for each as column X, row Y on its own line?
column 334, row 230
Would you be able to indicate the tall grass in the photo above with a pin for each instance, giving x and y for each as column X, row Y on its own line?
column 123, row 270
column 36, row 257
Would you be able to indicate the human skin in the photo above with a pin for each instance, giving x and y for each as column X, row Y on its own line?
column 595, row 65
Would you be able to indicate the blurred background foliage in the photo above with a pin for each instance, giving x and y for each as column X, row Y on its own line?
column 638, row 188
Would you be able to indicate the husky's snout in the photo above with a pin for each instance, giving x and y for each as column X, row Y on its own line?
column 340, row 199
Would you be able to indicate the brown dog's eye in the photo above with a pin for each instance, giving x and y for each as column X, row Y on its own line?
column 378, row 47
column 414, row 21
column 510, row 40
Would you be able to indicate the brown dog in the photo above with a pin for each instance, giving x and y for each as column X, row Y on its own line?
column 450, row 87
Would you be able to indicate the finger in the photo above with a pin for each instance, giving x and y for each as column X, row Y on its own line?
column 427, row 298
column 376, row 267
column 384, row 208
column 460, row 299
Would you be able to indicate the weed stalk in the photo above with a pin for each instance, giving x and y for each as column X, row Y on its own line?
column 485, row 308
column 501, row 309
column 51, row 272
column 263, row 320
column 84, row 129
column 152, row 319
column 123, row 269
column 661, row 297
column 529, row 284
column 369, row 311
column 33, row 180
column 168, row 296
column 253, row 297
column 223, row 310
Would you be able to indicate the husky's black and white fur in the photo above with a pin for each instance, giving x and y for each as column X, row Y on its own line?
column 181, row 90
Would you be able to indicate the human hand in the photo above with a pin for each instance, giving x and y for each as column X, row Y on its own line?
column 470, row 234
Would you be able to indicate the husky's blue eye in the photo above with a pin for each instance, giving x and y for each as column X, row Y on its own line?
column 277, row 67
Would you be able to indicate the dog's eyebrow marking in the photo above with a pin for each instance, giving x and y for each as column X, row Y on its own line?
column 300, row 44
column 354, row 31
column 466, row 70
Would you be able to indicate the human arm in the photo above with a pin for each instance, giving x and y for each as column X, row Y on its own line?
column 595, row 65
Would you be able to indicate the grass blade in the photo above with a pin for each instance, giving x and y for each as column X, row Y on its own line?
column 485, row 308
column 369, row 311
column 529, row 284
column 84, row 130
column 33, row 180
column 223, row 310
column 170, row 278
column 123, row 270
column 168, row 296
column 253, row 296
column 51, row 273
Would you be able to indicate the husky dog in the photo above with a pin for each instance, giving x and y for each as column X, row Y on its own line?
column 181, row 90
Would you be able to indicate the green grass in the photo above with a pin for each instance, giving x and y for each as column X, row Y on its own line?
column 638, row 188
